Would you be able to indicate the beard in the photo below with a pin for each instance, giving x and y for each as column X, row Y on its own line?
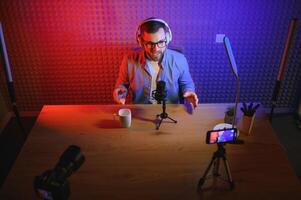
column 155, row 56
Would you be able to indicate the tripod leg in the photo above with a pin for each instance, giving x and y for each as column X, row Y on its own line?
column 172, row 119
column 202, row 180
column 159, row 123
column 216, row 167
column 228, row 173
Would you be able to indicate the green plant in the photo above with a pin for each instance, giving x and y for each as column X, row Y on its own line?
column 230, row 111
column 249, row 110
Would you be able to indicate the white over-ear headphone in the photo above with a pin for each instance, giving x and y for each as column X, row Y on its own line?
column 168, row 34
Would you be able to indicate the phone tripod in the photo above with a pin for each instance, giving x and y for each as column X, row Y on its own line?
column 163, row 115
column 215, row 162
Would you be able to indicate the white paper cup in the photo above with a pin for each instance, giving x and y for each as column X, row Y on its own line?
column 125, row 117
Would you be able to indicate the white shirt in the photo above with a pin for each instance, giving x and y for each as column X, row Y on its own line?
column 154, row 69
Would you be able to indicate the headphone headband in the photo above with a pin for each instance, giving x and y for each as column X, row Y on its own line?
column 168, row 31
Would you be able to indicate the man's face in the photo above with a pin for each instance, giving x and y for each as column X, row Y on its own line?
column 154, row 44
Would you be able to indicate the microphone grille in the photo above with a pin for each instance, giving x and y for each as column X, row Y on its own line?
column 161, row 85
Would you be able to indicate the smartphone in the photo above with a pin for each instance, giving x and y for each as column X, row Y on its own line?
column 221, row 136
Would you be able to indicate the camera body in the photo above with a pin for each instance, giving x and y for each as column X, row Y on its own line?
column 221, row 136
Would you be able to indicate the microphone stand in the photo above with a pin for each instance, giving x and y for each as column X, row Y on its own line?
column 163, row 115
column 160, row 96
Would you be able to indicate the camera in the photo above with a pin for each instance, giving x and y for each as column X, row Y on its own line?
column 53, row 184
column 221, row 136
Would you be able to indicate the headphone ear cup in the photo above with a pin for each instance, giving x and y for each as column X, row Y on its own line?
column 167, row 35
column 138, row 35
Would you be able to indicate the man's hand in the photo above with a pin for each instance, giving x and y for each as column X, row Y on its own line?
column 191, row 98
column 119, row 95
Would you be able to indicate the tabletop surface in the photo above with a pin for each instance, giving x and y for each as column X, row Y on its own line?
column 141, row 162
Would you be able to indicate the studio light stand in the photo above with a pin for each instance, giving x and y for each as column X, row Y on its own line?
column 219, row 154
column 9, row 79
column 221, row 151
column 291, row 32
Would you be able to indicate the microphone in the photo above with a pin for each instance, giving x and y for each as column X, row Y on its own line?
column 160, row 93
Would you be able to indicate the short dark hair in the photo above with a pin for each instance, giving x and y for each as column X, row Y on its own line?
column 152, row 27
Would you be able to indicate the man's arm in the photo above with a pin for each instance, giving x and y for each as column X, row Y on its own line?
column 122, row 83
column 187, row 85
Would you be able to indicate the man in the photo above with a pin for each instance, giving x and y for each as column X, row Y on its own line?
column 141, row 70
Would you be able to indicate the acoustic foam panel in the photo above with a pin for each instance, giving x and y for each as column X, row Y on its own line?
column 68, row 52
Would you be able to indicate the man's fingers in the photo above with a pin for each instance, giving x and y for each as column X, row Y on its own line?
column 119, row 95
column 196, row 101
column 193, row 103
column 122, row 101
column 192, row 98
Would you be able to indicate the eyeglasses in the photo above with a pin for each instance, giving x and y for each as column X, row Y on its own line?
column 160, row 44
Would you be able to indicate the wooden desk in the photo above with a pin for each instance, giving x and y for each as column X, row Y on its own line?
column 143, row 163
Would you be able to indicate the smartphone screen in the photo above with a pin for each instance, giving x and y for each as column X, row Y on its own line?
column 221, row 136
